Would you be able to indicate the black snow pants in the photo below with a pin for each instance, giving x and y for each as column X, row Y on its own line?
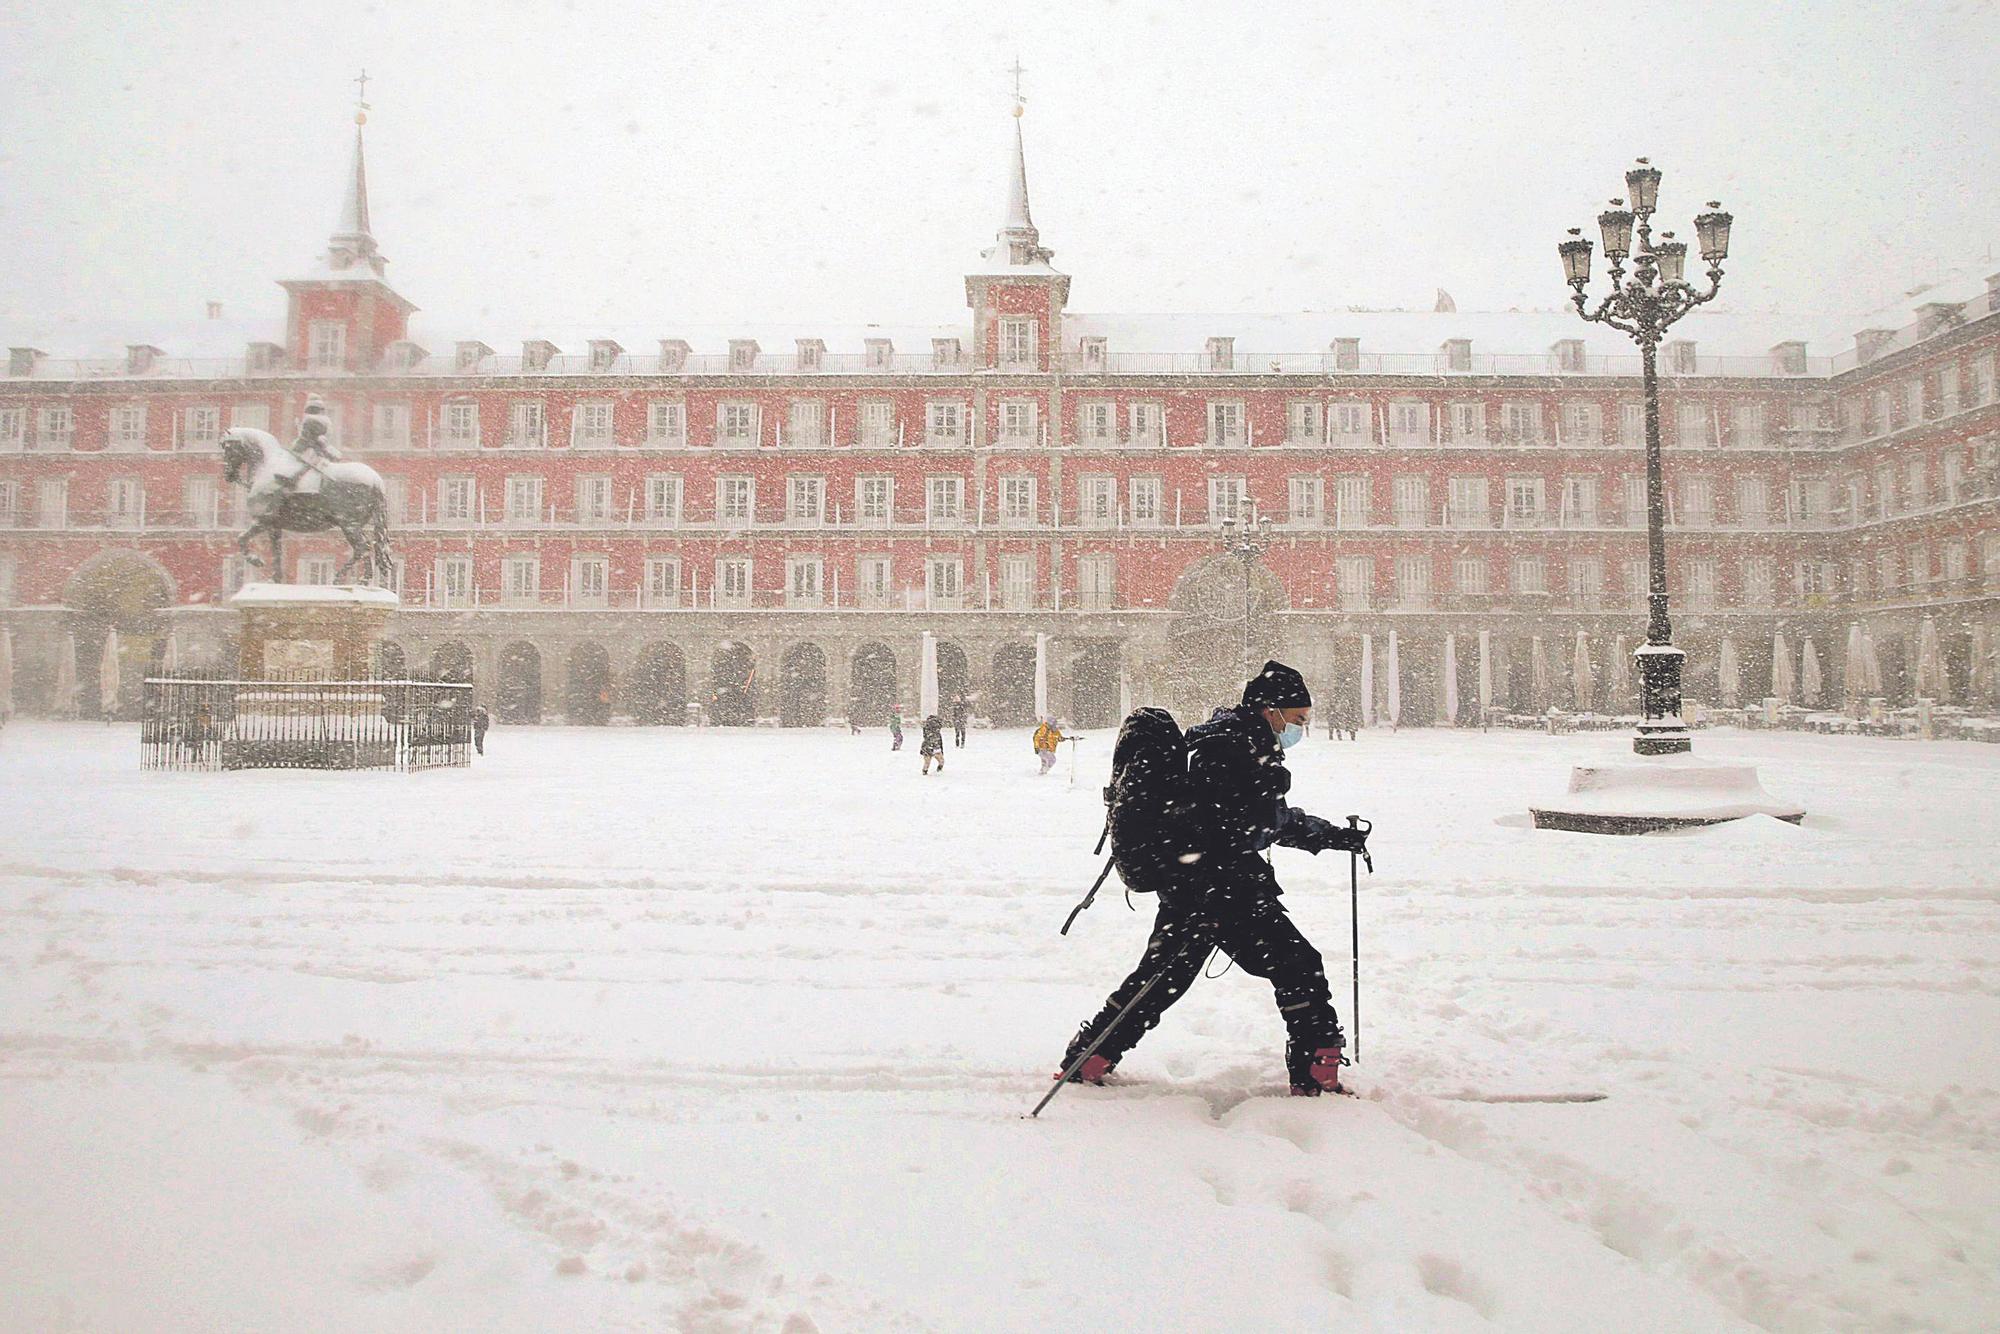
column 1256, row 932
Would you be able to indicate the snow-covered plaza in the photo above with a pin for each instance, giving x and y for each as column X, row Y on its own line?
column 729, row 1030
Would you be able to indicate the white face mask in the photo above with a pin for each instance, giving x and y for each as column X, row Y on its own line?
column 1291, row 735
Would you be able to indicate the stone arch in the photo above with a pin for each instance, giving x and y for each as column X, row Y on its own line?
column 392, row 662
column 732, row 685
column 452, row 661
column 802, row 686
column 657, row 691
column 954, row 674
column 587, row 692
column 874, row 685
column 1094, row 679
column 519, row 697
column 1011, row 693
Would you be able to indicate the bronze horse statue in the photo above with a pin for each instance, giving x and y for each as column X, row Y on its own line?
column 289, row 495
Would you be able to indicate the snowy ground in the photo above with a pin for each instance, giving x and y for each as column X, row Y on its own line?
column 735, row 1030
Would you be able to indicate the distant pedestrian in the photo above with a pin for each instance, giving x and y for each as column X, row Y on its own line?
column 932, row 746
column 1343, row 716
column 481, row 719
column 961, row 713
column 895, row 727
column 1047, row 737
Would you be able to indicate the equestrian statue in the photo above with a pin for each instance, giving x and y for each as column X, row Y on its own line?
column 309, row 488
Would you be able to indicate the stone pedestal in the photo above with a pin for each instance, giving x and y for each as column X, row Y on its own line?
column 317, row 630
column 1663, row 792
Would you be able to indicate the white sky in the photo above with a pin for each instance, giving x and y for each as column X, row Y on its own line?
column 679, row 166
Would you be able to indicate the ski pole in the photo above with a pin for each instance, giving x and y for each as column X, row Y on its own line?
column 1109, row 1029
column 1354, row 922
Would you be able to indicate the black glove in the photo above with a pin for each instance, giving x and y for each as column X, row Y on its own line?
column 1310, row 833
column 1346, row 838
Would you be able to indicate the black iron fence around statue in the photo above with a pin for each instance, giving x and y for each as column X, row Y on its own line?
column 197, row 722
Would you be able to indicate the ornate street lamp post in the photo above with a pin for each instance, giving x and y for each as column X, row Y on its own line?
column 1643, row 307
column 1247, row 537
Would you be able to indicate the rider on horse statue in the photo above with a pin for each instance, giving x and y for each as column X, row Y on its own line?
column 312, row 447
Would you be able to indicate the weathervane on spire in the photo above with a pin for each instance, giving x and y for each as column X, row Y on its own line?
column 361, row 98
column 1020, row 102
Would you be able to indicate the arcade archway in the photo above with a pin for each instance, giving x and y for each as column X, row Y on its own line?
column 732, row 686
column 874, row 685
column 659, row 686
column 519, row 698
column 802, row 686
column 587, row 697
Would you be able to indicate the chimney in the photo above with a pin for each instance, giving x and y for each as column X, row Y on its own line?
column 1936, row 316
column 1869, row 343
column 1789, row 358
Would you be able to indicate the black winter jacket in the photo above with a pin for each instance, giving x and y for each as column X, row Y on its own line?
column 1237, row 781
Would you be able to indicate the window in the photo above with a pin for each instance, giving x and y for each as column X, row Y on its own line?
column 944, row 581
column 1413, row 582
column 1918, row 562
column 1470, row 507
column 1225, row 423
column 1347, row 354
column 1302, row 422
column 1917, row 484
column 1307, row 500
column 1815, row 579
column 872, row 579
column 128, row 426
column 875, row 501
column 1753, row 502
column 944, row 424
column 455, row 500
column 1582, row 423
column 1097, row 424
column 1142, row 495
column 1680, row 357
column 1097, row 502
column 1580, row 501
column 1348, row 422
column 1885, row 570
column 1586, row 581
column 1521, row 423
column 1095, row 353
column 124, row 502
column 1701, row 582
column 663, row 498
column 878, row 423
column 1955, row 559
column 395, row 499
column 736, row 425
column 1468, row 422
column 1458, row 354
column 593, row 499
column 524, row 499
column 1147, row 423
column 1017, row 422
column 878, row 353
column 1017, row 500
column 1017, row 582
column 1017, row 342
column 454, row 580
column 527, row 426
column 1096, row 575
column 13, row 427
column 6, row 581
column 735, row 500
column 326, row 345
column 1632, row 424
column 805, row 499
column 732, row 581
column 52, row 502
column 1221, row 354
column 590, row 581
column 1410, row 423
column 803, row 580
column 1746, row 423
column 1531, row 575
column 666, row 424
column 1355, row 578
column 805, row 424
column 201, row 502
column 1954, row 476
column 1351, row 502
column 1635, row 502
column 56, row 427
column 202, row 428
column 944, row 499
column 1526, row 500
column 316, row 570
column 521, row 578
column 459, row 428
column 1225, row 498
column 1694, row 425
column 389, row 426
column 1760, row 582
column 743, row 354
column 1413, row 502
column 590, row 425
column 663, row 582
column 1468, row 576
column 1569, row 356
column 1697, row 497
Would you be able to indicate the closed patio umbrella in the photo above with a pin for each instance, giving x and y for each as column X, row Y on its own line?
column 1618, row 676
column 65, row 700
column 1812, row 684
column 1538, row 670
column 1729, row 674
column 1854, row 672
column 1582, row 678
column 1930, row 662
column 108, row 677
column 1451, row 680
column 1784, row 681
column 1395, row 682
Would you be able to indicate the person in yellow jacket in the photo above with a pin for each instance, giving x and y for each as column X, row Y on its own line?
column 1047, row 737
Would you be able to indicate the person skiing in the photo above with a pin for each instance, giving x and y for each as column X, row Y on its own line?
column 961, row 713
column 1047, row 737
column 895, row 727
column 932, row 746
column 1227, row 895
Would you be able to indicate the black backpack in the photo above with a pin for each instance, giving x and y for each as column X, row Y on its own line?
column 1145, row 806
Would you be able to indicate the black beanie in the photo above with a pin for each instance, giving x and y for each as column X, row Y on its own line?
column 1277, row 687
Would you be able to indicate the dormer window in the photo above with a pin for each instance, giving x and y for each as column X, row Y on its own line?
column 468, row 356
column 1789, row 358
column 812, row 354
column 1569, row 356
column 1096, row 353
column 403, row 355
column 1680, row 357
column 1936, row 316
column 24, row 361
column 604, row 355
column 1222, row 354
column 263, row 357
column 879, row 354
column 1017, row 342
column 1347, row 354
column 1869, row 343
column 1457, row 354
column 743, row 354
column 673, row 355
column 536, row 354
column 945, row 352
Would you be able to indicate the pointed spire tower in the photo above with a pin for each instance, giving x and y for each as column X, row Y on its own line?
column 343, row 313
column 1017, row 298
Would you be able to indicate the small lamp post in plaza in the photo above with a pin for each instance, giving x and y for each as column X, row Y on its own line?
column 1247, row 536
column 1668, row 788
column 1643, row 307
